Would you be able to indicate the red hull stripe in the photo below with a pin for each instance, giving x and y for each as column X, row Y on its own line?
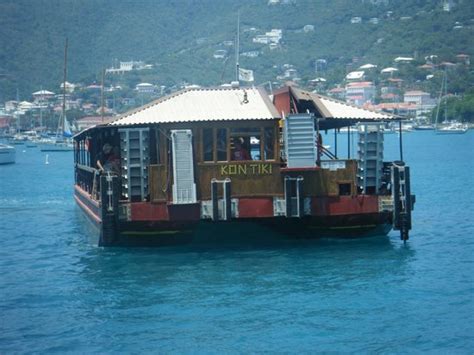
column 88, row 211
column 344, row 205
column 86, row 195
column 248, row 208
column 91, row 204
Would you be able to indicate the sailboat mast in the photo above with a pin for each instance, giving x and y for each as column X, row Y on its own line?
column 237, row 45
column 63, row 116
column 445, row 95
column 102, row 109
column 439, row 100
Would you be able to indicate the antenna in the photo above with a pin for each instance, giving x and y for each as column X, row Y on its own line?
column 237, row 48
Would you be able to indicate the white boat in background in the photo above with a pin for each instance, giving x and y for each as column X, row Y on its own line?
column 32, row 138
column 56, row 146
column 407, row 127
column 7, row 154
column 18, row 139
column 448, row 127
column 60, row 143
column 452, row 128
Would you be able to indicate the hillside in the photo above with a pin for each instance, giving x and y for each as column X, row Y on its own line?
column 179, row 38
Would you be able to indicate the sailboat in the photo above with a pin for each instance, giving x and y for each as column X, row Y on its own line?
column 63, row 140
column 447, row 127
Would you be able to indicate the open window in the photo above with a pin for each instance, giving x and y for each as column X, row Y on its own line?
column 238, row 144
column 245, row 144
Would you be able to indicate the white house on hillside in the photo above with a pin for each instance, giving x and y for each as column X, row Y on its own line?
column 359, row 93
column 145, row 88
column 355, row 75
column 42, row 96
column 423, row 101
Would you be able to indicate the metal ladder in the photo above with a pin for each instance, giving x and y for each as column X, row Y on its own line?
column 294, row 196
column 227, row 210
column 402, row 199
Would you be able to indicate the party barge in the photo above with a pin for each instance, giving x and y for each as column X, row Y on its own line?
column 224, row 161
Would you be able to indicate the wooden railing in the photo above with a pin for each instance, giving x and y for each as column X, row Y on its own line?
column 87, row 178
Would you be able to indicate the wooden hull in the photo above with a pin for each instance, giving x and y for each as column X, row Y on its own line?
column 239, row 231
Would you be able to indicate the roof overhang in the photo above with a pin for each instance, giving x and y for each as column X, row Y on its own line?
column 334, row 113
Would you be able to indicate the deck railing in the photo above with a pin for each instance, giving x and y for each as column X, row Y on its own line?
column 87, row 178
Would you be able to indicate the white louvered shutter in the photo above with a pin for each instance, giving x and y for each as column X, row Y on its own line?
column 300, row 141
column 184, row 188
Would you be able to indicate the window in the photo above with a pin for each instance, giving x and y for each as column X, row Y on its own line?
column 344, row 189
column 238, row 144
column 245, row 144
column 222, row 144
column 207, row 144
column 269, row 150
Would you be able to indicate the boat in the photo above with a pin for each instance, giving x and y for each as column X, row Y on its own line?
column 32, row 138
column 174, row 170
column 447, row 127
column 407, row 127
column 424, row 127
column 56, row 146
column 19, row 139
column 7, row 154
column 63, row 140
column 452, row 128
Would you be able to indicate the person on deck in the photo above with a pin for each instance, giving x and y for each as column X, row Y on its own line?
column 108, row 159
column 240, row 153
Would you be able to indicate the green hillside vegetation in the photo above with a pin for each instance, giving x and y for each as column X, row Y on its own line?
column 179, row 38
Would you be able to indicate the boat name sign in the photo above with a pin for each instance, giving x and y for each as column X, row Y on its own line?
column 246, row 169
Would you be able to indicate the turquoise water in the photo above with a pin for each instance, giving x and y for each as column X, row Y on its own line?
column 60, row 293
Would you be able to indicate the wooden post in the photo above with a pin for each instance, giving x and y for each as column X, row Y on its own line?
column 348, row 142
column 288, row 195
column 215, row 200
column 400, row 139
column 227, row 199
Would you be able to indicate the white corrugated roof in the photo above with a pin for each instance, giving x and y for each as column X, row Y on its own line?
column 389, row 70
column 403, row 59
column 43, row 92
column 339, row 109
column 193, row 105
column 368, row 66
column 331, row 108
column 355, row 75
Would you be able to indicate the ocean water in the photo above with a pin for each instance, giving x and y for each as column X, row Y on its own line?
column 60, row 293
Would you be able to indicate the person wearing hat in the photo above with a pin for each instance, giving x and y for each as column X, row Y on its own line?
column 107, row 160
